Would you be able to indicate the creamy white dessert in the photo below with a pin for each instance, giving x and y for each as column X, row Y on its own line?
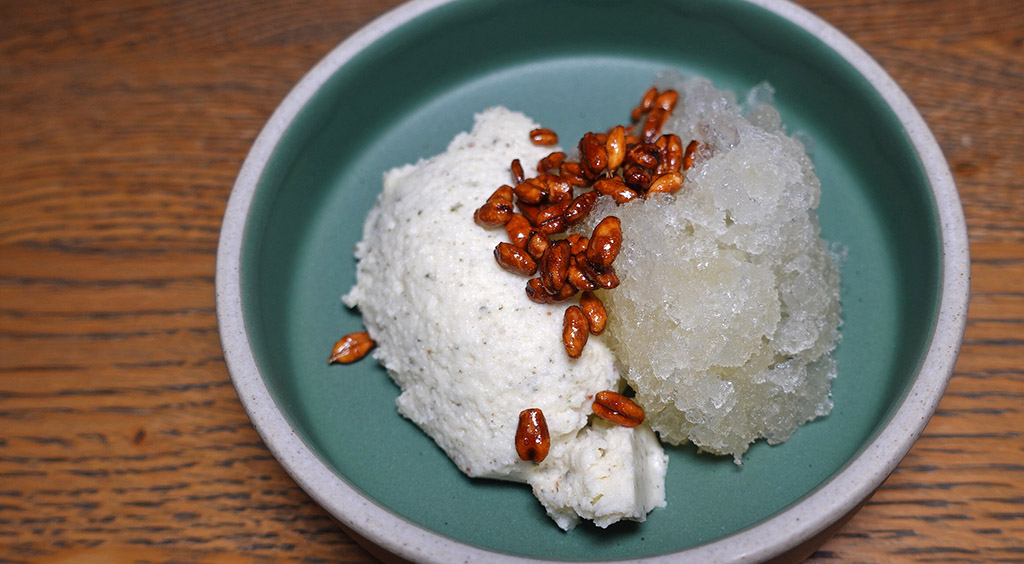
column 470, row 351
column 728, row 310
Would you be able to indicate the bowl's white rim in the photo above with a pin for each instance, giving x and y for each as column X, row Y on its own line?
column 772, row 537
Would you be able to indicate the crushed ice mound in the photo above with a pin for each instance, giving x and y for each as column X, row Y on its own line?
column 728, row 312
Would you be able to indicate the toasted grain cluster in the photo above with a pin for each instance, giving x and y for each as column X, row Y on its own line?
column 728, row 307
column 619, row 165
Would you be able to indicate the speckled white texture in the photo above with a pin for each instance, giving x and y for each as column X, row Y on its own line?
column 468, row 348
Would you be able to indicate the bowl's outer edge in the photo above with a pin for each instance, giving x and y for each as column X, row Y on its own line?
column 768, row 539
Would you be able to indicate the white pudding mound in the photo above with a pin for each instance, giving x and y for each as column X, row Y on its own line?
column 469, row 350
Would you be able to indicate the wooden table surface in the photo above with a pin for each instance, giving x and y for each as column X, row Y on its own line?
column 122, row 126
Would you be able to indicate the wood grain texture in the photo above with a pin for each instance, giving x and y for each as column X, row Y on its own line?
column 122, row 127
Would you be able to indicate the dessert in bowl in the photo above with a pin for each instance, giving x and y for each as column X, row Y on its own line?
column 382, row 99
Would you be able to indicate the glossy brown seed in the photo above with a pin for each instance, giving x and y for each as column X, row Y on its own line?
column 593, row 155
column 667, row 183
column 647, row 101
column 559, row 189
column 647, row 155
column 593, row 308
column 580, row 207
column 552, row 211
column 605, row 242
column 536, row 292
column 577, row 243
column 543, row 136
column 636, row 114
column 617, row 408
column 553, row 226
column 666, row 100
column 573, row 172
column 671, row 155
column 537, row 245
column 652, row 125
column 530, row 191
column 554, row 266
column 615, row 188
column 636, row 176
column 351, row 348
column 529, row 211
column 502, row 194
column 532, row 440
column 574, row 331
column 514, row 259
column 565, row 293
column 551, row 220
column 551, row 162
column 615, row 146
column 518, row 230
column 690, row 154
column 518, row 176
column 493, row 214
column 577, row 279
column 604, row 278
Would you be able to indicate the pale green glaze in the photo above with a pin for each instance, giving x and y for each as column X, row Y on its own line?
column 405, row 96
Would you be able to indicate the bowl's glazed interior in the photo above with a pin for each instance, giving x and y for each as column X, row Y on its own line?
column 577, row 66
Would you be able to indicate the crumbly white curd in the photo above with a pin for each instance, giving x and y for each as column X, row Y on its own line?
column 470, row 351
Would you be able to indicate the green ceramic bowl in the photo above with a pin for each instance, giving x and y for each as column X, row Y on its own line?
column 400, row 88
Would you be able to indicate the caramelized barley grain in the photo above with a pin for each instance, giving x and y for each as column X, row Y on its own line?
column 666, row 100
column 551, row 162
column 532, row 440
column 690, row 154
column 617, row 408
column 574, row 331
column 652, row 125
column 554, row 266
column 538, row 245
column 351, row 348
column 605, row 242
column 493, row 214
column 580, row 207
column 636, row 176
column 514, row 259
column 530, row 191
column 518, row 230
column 593, row 155
column 593, row 308
column 543, row 136
column 616, row 189
column 536, row 292
column 647, row 101
column 518, row 176
column 573, row 172
column 667, row 183
column 502, row 194
column 615, row 147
